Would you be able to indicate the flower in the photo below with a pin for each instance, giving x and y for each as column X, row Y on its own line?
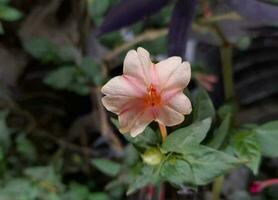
column 148, row 92
column 258, row 186
column 207, row 80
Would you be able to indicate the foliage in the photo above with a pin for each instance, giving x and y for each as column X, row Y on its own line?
column 267, row 138
column 8, row 13
column 247, row 147
column 35, row 182
column 69, row 75
column 64, row 150
column 185, row 160
column 106, row 166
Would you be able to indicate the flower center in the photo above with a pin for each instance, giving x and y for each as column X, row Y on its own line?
column 152, row 98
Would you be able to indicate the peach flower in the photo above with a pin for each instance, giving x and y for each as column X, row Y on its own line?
column 148, row 92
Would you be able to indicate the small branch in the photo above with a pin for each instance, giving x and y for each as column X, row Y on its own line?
column 206, row 8
column 105, row 128
column 33, row 128
column 227, row 16
column 162, row 192
column 222, row 38
column 85, row 145
column 146, row 36
column 65, row 144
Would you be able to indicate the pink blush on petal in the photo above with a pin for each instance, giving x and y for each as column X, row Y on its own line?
column 135, row 84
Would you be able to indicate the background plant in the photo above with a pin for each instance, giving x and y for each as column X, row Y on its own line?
column 54, row 57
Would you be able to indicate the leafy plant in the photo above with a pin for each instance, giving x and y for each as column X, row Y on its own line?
column 8, row 13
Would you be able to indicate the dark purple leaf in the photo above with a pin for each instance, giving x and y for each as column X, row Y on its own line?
column 128, row 12
column 180, row 24
column 256, row 10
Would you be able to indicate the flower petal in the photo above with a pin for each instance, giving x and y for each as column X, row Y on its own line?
column 180, row 103
column 173, row 74
column 141, row 123
column 116, row 104
column 123, row 86
column 135, row 120
column 138, row 64
column 169, row 117
column 133, row 67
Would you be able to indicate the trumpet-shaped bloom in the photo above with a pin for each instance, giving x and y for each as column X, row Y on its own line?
column 148, row 92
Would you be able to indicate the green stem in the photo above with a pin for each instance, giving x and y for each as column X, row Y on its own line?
column 217, row 186
column 227, row 69
column 227, row 62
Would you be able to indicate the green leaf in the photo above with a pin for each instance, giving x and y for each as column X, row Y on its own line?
column 207, row 163
column 68, row 53
column 51, row 196
column 267, row 135
column 61, row 78
column 190, row 135
column 9, row 13
column 107, row 166
column 44, row 174
column 98, row 8
column 4, row 1
column 226, row 109
column 43, row 49
column 112, row 40
column 2, row 31
column 197, row 165
column 73, row 80
column 143, row 141
column 247, row 148
column 147, row 175
column 98, row 196
column 243, row 43
column 202, row 106
column 47, row 51
column 177, row 171
column 76, row 191
column 221, row 133
column 162, row 18
column 131, row 155
column 25, row 147
column 5, row 139
column 148, row 138
column 20, row 189
column 92, row 70
column 156, row 46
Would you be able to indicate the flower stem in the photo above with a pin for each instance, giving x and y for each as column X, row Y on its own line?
column 163, row 131
column 226, row 55
column 226, row 50
column 270, row 182
column 161, row 192
column 217, row 186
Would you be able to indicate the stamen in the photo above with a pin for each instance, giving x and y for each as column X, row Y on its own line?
column 152, row 97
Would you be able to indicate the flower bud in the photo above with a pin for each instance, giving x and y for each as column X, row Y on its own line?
column 152, row 156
